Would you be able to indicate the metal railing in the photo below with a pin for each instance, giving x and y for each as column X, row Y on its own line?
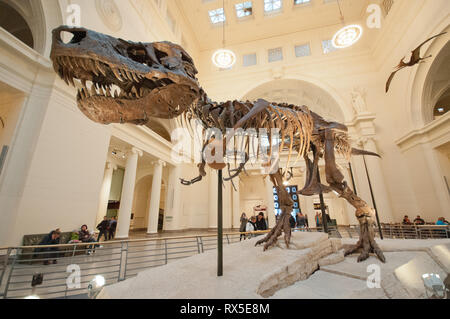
column 114, row 260
column 120, row 260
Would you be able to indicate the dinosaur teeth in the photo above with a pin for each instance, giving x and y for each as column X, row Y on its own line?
column 94, row 68
column 130, row 77
column 116, row 73
column 134, row 91
column 93, row 90
column 100, row 68
column 135, row 77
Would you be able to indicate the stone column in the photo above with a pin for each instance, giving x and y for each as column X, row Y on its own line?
column 377, row 180
column 173, row 200
column 270, row 202
column 126, row 200
column 104, row 192
column 155, row 198
column 212, row 198
column 236, row 205
column 227, row 205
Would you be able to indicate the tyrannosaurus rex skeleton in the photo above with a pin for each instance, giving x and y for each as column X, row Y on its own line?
column 133, row 82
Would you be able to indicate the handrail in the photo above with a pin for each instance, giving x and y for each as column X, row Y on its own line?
column 202, row 235
column 130, row 240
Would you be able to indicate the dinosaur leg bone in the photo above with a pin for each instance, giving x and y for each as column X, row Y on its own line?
column 365, row 215
column 283, row 224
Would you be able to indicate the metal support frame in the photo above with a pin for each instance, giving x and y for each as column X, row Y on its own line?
column 373, row 198
column 219, row 225
column 322, row 205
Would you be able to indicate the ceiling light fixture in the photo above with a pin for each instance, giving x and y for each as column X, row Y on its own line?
column 223, row 58
column 348, row 35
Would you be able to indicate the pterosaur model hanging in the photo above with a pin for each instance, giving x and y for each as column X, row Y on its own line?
column 159, row 80
column 415, row 59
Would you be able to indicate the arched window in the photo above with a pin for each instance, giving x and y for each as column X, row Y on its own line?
column 13, row 22
column 443, row 105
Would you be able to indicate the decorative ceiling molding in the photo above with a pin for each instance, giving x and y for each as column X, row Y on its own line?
column 110, row 14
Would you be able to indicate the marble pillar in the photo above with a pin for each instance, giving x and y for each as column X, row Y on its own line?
column 104, row 192
column 172, row 210
column 155, row 198
column 126, row 200
column 236, row 205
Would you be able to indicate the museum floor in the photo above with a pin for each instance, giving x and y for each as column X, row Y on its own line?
column 293, row 273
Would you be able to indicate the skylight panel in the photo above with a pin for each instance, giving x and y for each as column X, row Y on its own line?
column 301, row 1
column 272, row 5
column 244, row 9
column 302, row 50
column 217, row 16
column 275, row 54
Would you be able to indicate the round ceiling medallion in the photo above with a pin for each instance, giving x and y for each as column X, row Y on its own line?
column 109, row 13
column 347, row 36
column 224, row 59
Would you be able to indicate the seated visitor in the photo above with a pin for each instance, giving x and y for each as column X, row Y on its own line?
column 103, row 227
column 261, row 222
column 243, row 226
column 419, row 221
column 50, row 252
column 251, row 225
column 442, row 222
column 86, row 237
column 112, row 228
column 406, row 220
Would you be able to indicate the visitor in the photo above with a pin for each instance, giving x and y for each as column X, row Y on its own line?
column 302, row 222
column 251, row 226
column 103, row 227
column 406, row 220
column 49, row 252
column 442, row 222
column 292, row 221
column 261, row 222
column 86, row 237
column 112, row 227
column 419, row 221
column 244, row 221
column 318, row 219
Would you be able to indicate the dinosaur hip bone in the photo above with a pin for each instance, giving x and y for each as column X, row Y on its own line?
column 130, row 82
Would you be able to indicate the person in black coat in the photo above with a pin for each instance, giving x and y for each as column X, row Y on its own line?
column 292, row 221
column 261, row 222
column 112, row 228
column 49, row 252
column 103, row 227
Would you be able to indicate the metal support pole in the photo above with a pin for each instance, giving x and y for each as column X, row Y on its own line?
column 322, row 205
column 373, row 197
column 353, row 178
column 219, row 225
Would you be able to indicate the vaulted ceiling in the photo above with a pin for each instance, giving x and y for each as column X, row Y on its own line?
column 260, row 24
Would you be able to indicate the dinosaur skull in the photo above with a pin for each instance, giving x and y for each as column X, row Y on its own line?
column 125, row 82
